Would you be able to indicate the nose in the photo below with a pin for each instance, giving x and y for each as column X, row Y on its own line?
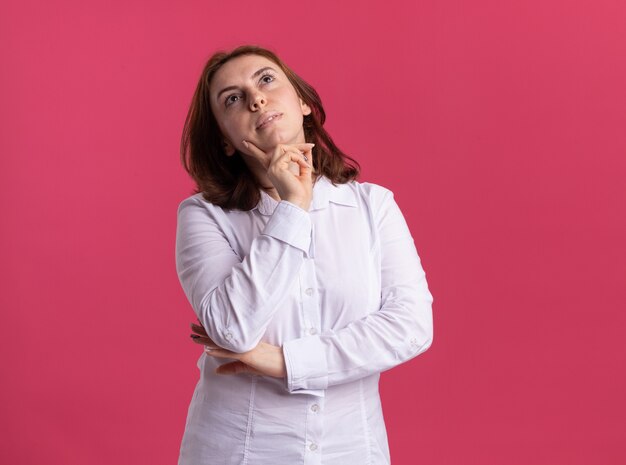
column 257, row 101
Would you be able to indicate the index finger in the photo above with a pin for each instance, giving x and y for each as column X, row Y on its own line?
column 253, row 148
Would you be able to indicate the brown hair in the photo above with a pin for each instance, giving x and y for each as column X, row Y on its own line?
column 227, row 181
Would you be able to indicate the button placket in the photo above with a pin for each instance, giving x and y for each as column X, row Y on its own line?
column 311, row 326
column 315, row 430
column 314, row 315
column 310, row 307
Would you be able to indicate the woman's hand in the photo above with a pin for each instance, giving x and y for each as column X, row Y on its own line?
column 264, row 359
column 295, row 188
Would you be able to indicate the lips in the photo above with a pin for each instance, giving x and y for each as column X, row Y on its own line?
column 266, row 118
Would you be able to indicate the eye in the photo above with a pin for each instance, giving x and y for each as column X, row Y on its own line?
column 270, row 75
column 228, row 100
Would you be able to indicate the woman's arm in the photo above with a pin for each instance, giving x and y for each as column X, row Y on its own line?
column 236, row 298
column 399, row 331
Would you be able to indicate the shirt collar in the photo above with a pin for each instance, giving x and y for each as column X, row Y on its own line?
column 323, row 192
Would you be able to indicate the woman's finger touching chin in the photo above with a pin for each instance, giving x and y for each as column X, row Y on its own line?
column 251, row 148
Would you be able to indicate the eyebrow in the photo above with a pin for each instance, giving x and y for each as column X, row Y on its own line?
column 256, row 73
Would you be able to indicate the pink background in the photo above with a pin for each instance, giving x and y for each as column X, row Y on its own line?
column 498, row 125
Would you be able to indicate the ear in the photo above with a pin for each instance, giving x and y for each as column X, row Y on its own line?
column 228, row 148
column 306, row 110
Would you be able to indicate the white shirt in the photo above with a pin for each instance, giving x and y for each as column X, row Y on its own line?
column 341, row 289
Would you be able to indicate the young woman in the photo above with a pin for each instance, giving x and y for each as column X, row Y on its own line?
column 306, row 283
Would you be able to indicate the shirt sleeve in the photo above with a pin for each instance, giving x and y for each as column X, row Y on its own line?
column 236, row 298
column 400, row 330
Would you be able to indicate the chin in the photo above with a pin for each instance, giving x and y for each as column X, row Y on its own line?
column 274, row 138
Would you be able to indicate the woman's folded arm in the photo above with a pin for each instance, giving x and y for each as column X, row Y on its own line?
column 236, row 298
column 400, row 330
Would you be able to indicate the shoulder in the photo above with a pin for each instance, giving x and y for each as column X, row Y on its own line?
column 373, row 195
column 196, row 205
column 198, row 200
column 372, row 190
column 191, row 201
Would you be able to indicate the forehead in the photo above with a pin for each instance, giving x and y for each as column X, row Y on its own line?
column 238, row 70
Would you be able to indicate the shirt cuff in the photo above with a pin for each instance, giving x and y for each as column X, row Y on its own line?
column 305, row 363
column 291, row 224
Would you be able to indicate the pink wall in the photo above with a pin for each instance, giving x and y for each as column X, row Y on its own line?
column 499, row 127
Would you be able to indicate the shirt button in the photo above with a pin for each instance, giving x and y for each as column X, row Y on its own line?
column 315, row 408
column 313, row 446
column 312, row 331
column 228, row 335
column 309, row 291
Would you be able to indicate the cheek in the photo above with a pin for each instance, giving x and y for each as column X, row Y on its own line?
column 237, row 128
column 227, row 128
column 233, row 126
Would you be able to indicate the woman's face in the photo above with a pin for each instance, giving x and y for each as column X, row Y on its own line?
column 244, row 92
